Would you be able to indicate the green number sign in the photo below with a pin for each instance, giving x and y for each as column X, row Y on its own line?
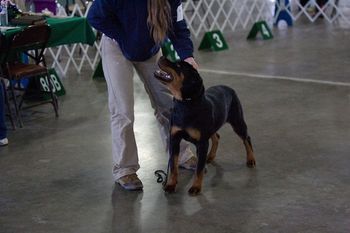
column 169, row 51
column 261, row 27
column 213, row 40
column 56, row 84
column 98, row 72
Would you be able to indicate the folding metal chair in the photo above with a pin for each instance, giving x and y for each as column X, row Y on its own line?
column 32, row 38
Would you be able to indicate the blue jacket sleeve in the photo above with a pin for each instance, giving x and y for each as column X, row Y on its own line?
column 180, row 34
column 100, row 16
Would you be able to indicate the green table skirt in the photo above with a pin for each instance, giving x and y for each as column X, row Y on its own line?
column 68, row 30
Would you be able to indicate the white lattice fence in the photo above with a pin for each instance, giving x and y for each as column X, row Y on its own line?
column 225, row 15
column 77, row 55
column 202, row 16
column 332, row 11
column 207, row 15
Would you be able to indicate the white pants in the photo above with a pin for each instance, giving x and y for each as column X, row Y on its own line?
column 118, row 72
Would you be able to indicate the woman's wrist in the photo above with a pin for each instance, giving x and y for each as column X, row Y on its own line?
column 191, row 61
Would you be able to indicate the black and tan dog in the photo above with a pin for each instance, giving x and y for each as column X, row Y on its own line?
column 197, row 116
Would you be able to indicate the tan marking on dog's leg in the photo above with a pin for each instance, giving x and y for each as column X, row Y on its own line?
column 194, row 133
column 175, row 173
column 174, row 130
column 250, row 154
column 214, row 147
column 197, row 184
column 172, row 180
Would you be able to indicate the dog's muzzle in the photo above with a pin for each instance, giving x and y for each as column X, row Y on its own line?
column 163, row 76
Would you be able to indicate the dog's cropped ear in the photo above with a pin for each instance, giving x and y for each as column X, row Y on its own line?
column 192, row 86
column 188, row 70
column 187, row 66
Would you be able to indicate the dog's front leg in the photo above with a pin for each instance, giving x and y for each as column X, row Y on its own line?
column 174, row 149
column 202, row 150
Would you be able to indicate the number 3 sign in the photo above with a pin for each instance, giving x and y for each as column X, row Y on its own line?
column 213, row 40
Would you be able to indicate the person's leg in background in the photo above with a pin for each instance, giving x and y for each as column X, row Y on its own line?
column 161, row 101
column 303, row 2
column 321, row 4
column 118, row 72
column 3, row 129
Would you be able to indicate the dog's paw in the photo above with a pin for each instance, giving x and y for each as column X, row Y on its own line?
column 251, row 163
column 169, row 188
column 194, row 191
column 210, row 159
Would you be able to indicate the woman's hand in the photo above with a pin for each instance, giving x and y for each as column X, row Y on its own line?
column 191, row 61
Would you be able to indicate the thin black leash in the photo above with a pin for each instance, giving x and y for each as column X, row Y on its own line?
column 162, row 177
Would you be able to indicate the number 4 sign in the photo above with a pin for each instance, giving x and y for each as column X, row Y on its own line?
column 261, row 27
column 213, row 40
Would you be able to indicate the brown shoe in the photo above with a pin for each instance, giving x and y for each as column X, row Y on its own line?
column 130, row 182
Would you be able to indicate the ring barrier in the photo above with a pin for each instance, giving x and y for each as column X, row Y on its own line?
column 233, row 15
column 225, row 15
column 77, row 55
column 208, row 15
column 329, row 10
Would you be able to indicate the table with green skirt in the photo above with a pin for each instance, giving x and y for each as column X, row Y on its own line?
column 67, row 30
column 64, row 31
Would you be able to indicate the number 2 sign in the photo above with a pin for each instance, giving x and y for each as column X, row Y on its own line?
column 213, row 40
column 169, row 51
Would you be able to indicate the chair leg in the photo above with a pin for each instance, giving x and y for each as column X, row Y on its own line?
column 7, row 102
column 53, row 95
column 18, row 114
column 21, row 100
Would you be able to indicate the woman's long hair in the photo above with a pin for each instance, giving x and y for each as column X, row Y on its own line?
column 159, row 19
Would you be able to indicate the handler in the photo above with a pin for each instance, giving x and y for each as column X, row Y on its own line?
column 133, row 31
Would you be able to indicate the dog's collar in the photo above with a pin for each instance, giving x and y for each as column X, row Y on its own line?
column 193, row 99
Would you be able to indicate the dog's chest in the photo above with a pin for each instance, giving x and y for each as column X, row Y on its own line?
column 184, row 120
column 193, row 122
column 189, row 134
column 188, row 116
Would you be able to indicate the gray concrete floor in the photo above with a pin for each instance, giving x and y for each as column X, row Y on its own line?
column 55, row 175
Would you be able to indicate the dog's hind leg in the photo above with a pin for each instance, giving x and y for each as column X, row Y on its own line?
column 236, row 119
column 250, row 154
column 214, row 147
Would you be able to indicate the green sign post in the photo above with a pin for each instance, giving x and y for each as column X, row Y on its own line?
column 213, row 40
column 98, row 73
column 261, row 27
column 169, row 51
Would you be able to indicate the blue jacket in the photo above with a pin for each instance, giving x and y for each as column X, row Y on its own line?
column 126, row 22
